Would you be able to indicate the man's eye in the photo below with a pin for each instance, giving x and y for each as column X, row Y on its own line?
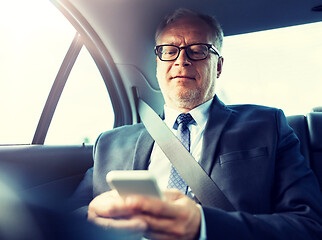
column 169, row 52
column 197, row 52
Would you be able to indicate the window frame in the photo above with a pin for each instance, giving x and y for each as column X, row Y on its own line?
column 85, row 36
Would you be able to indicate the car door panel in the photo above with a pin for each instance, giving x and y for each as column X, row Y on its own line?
column 46, row 174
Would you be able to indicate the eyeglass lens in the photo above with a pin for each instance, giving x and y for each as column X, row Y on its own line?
column 194, row 52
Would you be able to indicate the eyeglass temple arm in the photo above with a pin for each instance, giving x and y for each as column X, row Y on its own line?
column 216, row 51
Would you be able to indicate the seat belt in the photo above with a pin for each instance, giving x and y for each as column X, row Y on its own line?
column 205, row 189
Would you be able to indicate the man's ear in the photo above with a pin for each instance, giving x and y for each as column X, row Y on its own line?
column 219, row 66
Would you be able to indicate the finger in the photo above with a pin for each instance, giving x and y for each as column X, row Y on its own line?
column 156, row 207
column 172, row 194
column 159, row 224
column 186, row 224
column 165, row 226
column 134, row 225
column 109, row 205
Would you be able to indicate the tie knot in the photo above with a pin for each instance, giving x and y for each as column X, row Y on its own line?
column 184, row 118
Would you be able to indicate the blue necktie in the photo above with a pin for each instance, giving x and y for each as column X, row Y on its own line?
column 183, row 134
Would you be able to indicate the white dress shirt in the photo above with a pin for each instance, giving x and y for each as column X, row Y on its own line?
column 160, row 166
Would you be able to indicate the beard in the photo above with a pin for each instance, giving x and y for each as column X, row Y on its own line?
column 189, row 98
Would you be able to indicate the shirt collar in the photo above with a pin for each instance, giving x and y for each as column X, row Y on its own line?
column 199, row 114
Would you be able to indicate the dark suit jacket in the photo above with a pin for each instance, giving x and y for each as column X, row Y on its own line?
column 253, row 156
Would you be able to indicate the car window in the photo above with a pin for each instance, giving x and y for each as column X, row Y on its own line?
column 84, row 109
column 280, row 68
column 34, row 39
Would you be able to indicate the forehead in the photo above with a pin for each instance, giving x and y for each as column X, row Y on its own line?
column 186, row 31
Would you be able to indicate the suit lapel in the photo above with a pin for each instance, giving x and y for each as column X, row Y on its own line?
column 142, row 151
column 218, row 118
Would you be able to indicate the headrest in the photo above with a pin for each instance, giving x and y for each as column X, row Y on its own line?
column 317, row 109
column 314, row 122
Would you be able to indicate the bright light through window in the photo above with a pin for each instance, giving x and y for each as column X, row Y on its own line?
column 280, row 68
column 34, row 39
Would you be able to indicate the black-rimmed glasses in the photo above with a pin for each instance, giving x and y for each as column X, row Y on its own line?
column 197, row 51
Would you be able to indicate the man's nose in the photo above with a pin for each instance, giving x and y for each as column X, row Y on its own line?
column 182, row 59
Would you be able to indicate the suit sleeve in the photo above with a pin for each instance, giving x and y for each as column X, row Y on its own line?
column 295, row 200
column 83, row 195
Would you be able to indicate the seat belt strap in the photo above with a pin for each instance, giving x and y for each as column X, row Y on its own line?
column 189, row 169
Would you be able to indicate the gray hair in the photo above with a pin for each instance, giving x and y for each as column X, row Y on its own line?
column 216, row 30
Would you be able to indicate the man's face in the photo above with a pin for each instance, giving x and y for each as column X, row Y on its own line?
column 185, row 83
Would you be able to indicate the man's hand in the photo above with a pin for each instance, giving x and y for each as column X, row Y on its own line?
column 109, row 211
column 178, row 217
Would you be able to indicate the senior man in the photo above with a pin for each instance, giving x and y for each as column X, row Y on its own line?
column 249, row 151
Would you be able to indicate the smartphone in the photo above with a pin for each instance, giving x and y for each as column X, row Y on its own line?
column 134, row 182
